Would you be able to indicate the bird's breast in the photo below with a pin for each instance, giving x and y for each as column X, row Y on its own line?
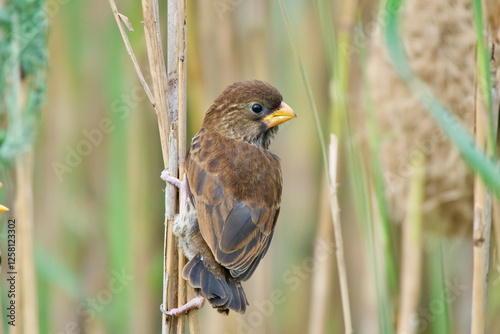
column 245, row 172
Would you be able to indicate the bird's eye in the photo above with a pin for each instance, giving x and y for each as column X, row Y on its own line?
column 257, row 108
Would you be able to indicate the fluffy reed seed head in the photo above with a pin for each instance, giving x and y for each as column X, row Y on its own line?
column 439, row 38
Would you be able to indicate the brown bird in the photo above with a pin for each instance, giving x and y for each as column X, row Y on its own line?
column 230, row 194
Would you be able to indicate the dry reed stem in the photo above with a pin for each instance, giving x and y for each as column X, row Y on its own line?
column 1, row 308
column 495, row 44
column 348, row 14
column 411, row 261
column 323, row 278
column 27, row 304
column 337, row 228
column 181, row 59
column 170, row 284
column 496, row 230
column 176, row 90
column 481, row 235
column 482, row 223
column 181, row 290
column 167, row 125
column 122, row 18
column 27, row 294
column 171, row 115
column 180, row 47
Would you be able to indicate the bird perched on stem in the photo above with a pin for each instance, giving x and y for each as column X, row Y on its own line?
column 230, row 194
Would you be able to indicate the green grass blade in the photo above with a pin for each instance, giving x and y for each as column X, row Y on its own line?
column 378, row 177
column 358, row 182
column 483, row 67
column 384, row 269
column 438, row 292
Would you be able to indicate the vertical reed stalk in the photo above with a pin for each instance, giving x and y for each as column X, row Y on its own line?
column 485, row 133
column 28, row 313
column 167, row 123
column 481, row 234
column 181, row 60
column 495, row 91
column 323, row 279
column 411, row 261
column 496, row 229
column 177, row 74
column 171, row 113
column 337, row 229
column 26, row 299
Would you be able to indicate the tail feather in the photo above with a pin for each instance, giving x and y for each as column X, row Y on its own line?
column 192, row 272
column 223, row 293
column 240, row 301
column 214, row 289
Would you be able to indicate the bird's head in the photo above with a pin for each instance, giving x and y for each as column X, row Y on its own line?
column 249, row 111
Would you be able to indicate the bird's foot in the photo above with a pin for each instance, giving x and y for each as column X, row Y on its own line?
column 196, row 302
column 182, row 185
column 165, row 176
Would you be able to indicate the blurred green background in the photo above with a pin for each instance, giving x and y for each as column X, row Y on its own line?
column 98, row 198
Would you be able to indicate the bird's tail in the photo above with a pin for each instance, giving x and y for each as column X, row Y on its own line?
column 223, row 293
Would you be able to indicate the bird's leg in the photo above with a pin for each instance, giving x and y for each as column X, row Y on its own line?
column 165, row 176
column 182, row 185
column 196, row 302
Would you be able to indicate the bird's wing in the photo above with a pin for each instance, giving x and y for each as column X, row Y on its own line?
column 236, row 193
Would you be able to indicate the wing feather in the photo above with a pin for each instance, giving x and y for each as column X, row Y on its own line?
column 237, row 209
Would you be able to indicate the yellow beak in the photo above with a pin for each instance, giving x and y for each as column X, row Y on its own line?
column 283, row 114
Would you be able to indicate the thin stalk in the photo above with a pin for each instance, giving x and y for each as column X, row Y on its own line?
column 176, row 110
column 180, row 46
column 181, row 59
column 482, row 225
column 438, row 287
column 486, row 132
column 377, row 175
column 411, row 267
column 157, row 72
column 483, row 68
column 28, row 313
column 120, row 18
column 171, row 114
column 168, row 135
column 380, row 230
column 335, row 208
column 495, row 101
column 370, row 221
column 365, row 209
column 496, row 229
column 27, row 293
column 337, row 228
column 323, row 279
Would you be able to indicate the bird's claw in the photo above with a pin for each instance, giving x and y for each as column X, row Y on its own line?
column 165, row 176
column 173, row 312
column 181, row 185
column 196, row 302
